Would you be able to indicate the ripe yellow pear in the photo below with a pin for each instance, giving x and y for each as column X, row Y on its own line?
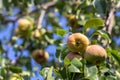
column 24, row 28
column 95, row 54
column 24, row 24
column 77, row 42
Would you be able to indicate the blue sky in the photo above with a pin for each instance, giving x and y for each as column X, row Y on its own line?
column 51, row 49
column 5, row 35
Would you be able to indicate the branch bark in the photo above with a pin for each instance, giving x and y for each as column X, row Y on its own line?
column 109, row 22
column 44, row 6
column 41, row 19
column 118, row 5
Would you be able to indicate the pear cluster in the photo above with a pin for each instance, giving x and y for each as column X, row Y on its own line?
column 37, row 33
column 79, row 45
column 72, row 21
column 25, row 26
column 26, row 29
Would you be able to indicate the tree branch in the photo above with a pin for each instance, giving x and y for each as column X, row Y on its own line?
column 109, row 22
column 45, row 5
column 41, row 19
column 118, row 5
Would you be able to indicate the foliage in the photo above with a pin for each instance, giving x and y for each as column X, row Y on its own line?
column 52, row 20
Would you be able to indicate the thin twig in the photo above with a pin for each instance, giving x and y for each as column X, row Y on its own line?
column 43, row 11
column 41, row 19
column 110, row 19
column 18, row 58
column 12, row 31
column 48, row 4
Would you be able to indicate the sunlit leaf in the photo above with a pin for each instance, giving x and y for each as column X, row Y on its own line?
column 103, row 34
column 44, row 71
column 76, row 63
column 57, row 72
column 3, row 72
column 110, row 78
column 51, row 41
column 15, row 69
column 92, row 70
column 61, row 32
column 16, row 77
column 49, row 75
column 115, row 55
column 92, row 73
column 94, row 23
column 104, row 69
column 66, row 62
column 73, row 69
column 117, row 74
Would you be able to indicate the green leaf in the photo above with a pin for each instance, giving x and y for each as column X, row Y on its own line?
column 116, row 55
column 101, row 6
column 73, row 69
column 61, row 32
column 26, row 77
column 6, row 4
column 117, row 74
column 3, row 72
column 16, row 77
column 15, row 69
column 66, row 62
column 76, row 63
column 104, row 69
column 51, row 41
column 63, row 72
column 103, row 34
column 102, row 77
column 1, row 48
column 110, row 78
column 64, row 52
column 27, row 63
column 57, row 73
column 94, row 23
column 49, row 75
column 58, row 52
column 44, row 71
column 92, row 70
column 91, row 73
column 97, row 5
